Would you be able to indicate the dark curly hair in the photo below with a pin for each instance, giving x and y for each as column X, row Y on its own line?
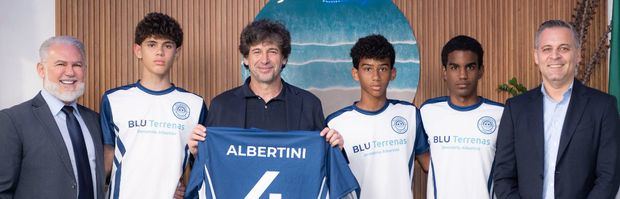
column 463, row 43
column 265, row 30
column 159, row 25
column 372, row 47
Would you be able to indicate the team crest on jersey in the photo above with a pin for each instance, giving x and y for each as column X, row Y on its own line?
column 487, row 125
column 180, row 110
column 399, row 124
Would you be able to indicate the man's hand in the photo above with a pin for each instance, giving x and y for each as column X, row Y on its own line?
column 199, row 133
column 180, row 192
column 333, row 137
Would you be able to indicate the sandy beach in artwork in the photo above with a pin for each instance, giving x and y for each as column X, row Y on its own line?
column 334, row 99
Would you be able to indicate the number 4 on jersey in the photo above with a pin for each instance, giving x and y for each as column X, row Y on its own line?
column 262, row 185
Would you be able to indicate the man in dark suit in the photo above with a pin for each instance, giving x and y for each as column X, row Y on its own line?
column 50, row 146
column 559, row 140
column 265, row 101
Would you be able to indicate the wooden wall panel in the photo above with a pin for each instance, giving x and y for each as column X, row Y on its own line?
column 208, row 63
column 505, row 29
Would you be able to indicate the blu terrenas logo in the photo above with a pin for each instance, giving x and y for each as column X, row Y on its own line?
column 322, row 34
column 180, row 110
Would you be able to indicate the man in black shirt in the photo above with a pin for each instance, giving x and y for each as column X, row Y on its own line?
column 266, row 101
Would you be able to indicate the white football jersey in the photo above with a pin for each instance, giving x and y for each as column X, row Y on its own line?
column 149, row 130
column 462, row 141
column 381, row 147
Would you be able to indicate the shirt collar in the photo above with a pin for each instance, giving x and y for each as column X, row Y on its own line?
column 565, row 96
column 152, row 92
column 56, row 104
column 248, row 93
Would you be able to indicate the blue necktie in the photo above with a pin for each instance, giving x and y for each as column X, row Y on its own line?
column 85, row 179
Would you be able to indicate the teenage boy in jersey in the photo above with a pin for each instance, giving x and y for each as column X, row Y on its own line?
column 383, row 136
column 265, row 101
column 146, row 124
column 461, row 127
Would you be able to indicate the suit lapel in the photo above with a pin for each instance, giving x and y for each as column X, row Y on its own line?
column 535, row 119
column 95, row 133
column 43, row 114
column 575, row 110
column 293, row 108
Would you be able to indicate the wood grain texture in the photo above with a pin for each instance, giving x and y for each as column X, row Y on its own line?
column 208, row 62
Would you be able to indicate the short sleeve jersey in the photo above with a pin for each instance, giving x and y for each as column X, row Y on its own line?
column 381, row 146
column 149, row 131
column 462, row 143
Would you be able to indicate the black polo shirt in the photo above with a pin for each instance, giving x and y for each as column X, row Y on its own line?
column 265, row 115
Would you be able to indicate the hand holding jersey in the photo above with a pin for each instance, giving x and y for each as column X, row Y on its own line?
column 250, row 163
column 200, row 133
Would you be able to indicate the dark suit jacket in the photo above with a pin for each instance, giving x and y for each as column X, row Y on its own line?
column 34, row 162
column 587, row 164
column 303, row 109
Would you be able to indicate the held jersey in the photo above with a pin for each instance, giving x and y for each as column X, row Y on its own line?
column 253, row 163
column 381, row 146
column 149, row 130
column 462, row 143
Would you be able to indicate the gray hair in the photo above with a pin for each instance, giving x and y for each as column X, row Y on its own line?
column 556, row 23
column 69, row 40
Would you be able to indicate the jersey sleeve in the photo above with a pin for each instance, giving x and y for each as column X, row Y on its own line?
column 197, row 178
column 342, row 182
column 421, row 139
column 108, row 128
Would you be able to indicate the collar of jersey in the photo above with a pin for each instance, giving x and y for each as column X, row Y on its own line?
column 152, row 92
column 465, row 108
column 365, row 112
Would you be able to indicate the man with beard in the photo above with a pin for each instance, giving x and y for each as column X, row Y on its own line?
column 50, row 146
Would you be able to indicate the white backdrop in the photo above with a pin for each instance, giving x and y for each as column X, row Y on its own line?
column 25, row 24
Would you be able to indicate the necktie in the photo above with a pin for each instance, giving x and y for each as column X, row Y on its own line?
column 85, row 180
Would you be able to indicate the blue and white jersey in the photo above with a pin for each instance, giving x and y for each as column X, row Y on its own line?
column 381, row 146
column 253, row 163
column 149, row 130
column 462, row 147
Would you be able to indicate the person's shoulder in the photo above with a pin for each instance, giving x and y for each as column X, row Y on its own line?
column 596, row 93
column 120, row 88
column 306, row 95
column 339, row 113
column 491, row 102
column 24, row 109
column 87, row 112
column 525, row 97
column 435, row 100
column 401, row 103
column 226, row 96
column 21, row 107
column 189, row 94
column 598, row 97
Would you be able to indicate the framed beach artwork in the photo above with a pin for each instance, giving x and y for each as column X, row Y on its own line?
column 322, row 34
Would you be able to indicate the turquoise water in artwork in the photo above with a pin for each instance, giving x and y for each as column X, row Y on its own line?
column 323, row 32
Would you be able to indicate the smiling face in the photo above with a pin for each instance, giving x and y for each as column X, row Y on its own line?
column 462, row 73
column 557, row 56
column 62, row 71
column 265, row 62
column 157, row 55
